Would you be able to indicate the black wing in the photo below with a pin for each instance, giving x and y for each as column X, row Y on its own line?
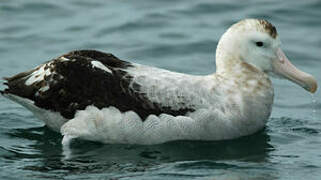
column 74, row 83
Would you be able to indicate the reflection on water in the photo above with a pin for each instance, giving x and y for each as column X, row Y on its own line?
column 90, row 157
column 47, row 141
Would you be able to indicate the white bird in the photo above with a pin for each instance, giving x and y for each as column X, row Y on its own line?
column 95, row 96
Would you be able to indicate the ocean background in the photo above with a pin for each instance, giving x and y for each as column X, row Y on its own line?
column 179, row 35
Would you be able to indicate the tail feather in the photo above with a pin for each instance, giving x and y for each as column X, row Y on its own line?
column 16, row 85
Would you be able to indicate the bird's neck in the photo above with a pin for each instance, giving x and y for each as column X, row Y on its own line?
column 247, row 77
column 248, row 90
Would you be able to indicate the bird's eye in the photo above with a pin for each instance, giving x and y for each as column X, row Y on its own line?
column 259, row 44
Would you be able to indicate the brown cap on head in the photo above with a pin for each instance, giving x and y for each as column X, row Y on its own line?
column 260, row 25
column 268, row 27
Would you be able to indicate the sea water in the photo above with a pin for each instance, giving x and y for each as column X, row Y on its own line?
column 179, row 35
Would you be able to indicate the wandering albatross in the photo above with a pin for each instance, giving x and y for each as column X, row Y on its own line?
column 95, row 96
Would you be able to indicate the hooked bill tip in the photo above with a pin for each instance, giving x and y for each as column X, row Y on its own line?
column 313, row 88
column 310, row 84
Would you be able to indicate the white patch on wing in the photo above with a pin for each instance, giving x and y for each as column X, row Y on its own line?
column 38, row 75
column 44, row 88
column 63, row 59
column 99, row 65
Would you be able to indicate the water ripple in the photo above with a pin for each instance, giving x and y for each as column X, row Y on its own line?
column 179, row 35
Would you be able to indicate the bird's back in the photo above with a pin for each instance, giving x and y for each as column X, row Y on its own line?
column 78, row 79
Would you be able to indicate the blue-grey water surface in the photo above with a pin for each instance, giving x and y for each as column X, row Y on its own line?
column 178, row 35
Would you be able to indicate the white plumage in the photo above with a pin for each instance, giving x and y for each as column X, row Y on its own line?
column 234, row 102
column 216, row 117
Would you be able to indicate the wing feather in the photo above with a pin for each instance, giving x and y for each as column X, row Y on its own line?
column 78, row 79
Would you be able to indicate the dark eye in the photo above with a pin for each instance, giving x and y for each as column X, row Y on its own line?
column 259, row 43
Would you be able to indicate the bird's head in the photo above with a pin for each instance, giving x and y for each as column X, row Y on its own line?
column 256, row 42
